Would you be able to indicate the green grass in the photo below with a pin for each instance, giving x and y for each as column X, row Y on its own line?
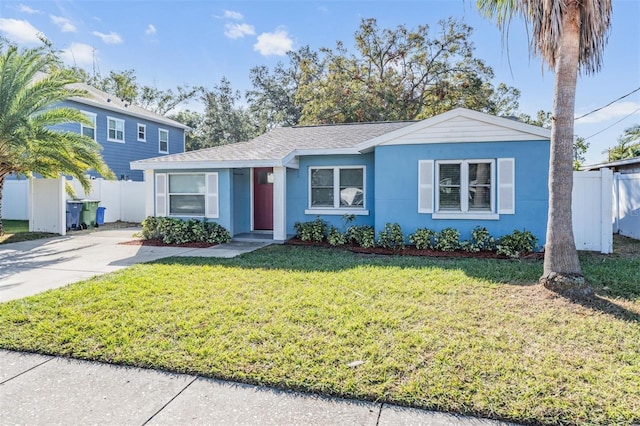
column 460, row 335
column 18, row 230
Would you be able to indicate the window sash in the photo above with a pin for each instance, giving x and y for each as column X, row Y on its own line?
column 337, row 187
column 186, row 193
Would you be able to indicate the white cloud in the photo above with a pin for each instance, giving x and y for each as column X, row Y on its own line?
column 20, row 31
column 151, row 30
column 275, row 43
column 111, row 38
column 78, row 54
column 230, row 14
column 612, row 112
column 27, row 9
column 238, row 30
column 64, row 24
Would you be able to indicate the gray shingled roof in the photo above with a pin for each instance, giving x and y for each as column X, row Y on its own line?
column 280, row 142
column 113, row 103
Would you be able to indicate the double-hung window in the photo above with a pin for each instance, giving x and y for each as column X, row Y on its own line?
column 142, row 132
column 115, row 130
column 163, row 141
column 337, row 189
column 89, row 131
column 187, row 194
column 466, row 189
column 465, row 186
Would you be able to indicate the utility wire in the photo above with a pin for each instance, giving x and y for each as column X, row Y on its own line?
column 608, row 127
column 610, row 103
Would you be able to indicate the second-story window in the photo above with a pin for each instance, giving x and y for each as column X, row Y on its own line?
column 142, row 132
column 163, row 141
column 89, row 131
column 115, row 129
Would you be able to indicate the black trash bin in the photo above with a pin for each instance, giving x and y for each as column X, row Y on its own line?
column 73, row 214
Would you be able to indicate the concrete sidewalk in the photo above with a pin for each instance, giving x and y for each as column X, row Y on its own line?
column 44, row 390
column 31, row 267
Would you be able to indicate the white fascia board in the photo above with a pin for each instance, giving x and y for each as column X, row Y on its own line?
column 182, row 165
column 167, row 122
column 458, row 112
column 291, row 160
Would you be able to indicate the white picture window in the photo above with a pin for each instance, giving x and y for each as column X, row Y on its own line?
column 89, row 131
column 142, row 132
column 337, row 187
column 465, row 186
column 163, row 141
column 115, row 129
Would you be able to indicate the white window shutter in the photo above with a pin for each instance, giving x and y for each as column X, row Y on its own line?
column 425, row 186
column 161, row 194
column 211, row 200
column 506, row 186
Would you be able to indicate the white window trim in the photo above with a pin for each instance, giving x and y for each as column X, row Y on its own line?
column 464, row 212
column 144, row 126
column 207, row 193
column 92, row 116
column 117, row 120
column 160, row 141
column 336, row 209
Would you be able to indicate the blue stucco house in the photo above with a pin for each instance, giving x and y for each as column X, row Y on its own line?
column 126, row 132
column 459, row 169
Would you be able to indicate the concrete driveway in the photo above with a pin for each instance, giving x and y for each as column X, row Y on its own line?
column 31, row 267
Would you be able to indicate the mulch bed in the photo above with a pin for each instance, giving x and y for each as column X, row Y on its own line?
column 412, row 251
column 160, row 243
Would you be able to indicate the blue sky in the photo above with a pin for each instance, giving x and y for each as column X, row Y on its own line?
column 171, row 42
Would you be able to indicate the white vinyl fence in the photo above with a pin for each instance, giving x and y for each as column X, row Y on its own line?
column 626, row 214
column 15, row 199
column 123, row 200
column 591, row 207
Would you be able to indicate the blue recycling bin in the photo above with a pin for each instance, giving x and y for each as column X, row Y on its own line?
column 100, row 216
column 73, row 214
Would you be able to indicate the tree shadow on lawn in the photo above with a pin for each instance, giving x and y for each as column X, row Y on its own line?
column 518, row 272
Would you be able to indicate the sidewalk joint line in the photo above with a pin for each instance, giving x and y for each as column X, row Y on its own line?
column 170, row 401
column 26, row 371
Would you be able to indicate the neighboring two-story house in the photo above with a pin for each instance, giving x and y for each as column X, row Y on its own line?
column 126, row 132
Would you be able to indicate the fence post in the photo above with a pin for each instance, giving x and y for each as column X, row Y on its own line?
column 606, row 205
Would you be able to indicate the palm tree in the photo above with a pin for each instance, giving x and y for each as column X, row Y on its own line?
column 569, row 35
column 28, row 110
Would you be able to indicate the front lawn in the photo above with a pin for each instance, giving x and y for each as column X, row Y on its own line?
column 18, row 230
column 462, row 335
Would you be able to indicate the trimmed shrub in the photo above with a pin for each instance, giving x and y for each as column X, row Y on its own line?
column 423, row 238
column 448, row 240
column 517, row 243
column 178, row 231
column 335, row 237
column 480, row 240
column 311, row 231
column 362, row 235
column 391, row 237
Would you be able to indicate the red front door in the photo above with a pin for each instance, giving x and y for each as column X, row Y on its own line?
column 263, row 198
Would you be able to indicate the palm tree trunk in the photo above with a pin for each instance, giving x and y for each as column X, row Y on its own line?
column 561, row 264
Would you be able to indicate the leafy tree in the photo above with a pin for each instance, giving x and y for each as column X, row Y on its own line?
column 28, row 110
column 272, row 101
column 568, row 35
column 223, row 121
column 628, row 145
column 399, row 74
column 193, row 119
